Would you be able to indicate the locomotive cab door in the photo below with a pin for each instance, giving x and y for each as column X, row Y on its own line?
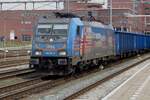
column 79, row 40
column 78, row 45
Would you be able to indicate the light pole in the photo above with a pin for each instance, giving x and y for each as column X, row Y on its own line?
column 110, row 13
column 68, row 6
column 5, row 36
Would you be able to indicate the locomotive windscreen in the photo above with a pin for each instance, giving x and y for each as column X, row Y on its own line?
column 60, row 29
column 53, row 29
column 44, row 28
column 51, row 35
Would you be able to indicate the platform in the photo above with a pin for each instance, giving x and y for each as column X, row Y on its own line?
column 136, row 87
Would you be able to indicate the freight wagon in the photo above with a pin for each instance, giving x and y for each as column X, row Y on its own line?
column 128, row 43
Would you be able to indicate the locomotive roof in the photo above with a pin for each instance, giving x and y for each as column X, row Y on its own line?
column 45, row 19
column 54, row 20
column 98, row 24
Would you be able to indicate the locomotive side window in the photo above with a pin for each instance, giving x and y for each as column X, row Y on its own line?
column 78, row 30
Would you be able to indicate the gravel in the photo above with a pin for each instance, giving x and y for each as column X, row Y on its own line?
column 62, row 91
column 102, row 90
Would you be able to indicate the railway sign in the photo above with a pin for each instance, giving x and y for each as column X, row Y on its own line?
column 12, row 35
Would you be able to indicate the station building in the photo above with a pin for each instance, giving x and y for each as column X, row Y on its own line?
column 22, row 23
column 146, row 11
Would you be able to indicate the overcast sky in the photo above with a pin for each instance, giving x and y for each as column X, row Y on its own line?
column 44, row 6
column 43, row 0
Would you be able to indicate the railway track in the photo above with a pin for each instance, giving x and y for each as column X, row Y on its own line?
column 6, row 89
column 9, row 74
column 34, row 87
column 26, row 90
column 15, row 61
column 28, row 77
column 13, row 53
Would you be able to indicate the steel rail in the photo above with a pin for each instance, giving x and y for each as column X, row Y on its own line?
column 15, row 64
column 16, row 85
column 10, row 74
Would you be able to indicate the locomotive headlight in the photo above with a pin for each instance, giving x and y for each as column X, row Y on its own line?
column 51, row 40
column 38, row 53
column 62, row 53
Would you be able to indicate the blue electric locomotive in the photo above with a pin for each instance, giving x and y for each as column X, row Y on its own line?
column 60, row 45
column 63, row 45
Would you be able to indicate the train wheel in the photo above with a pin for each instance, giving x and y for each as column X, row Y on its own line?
column 78, row 69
